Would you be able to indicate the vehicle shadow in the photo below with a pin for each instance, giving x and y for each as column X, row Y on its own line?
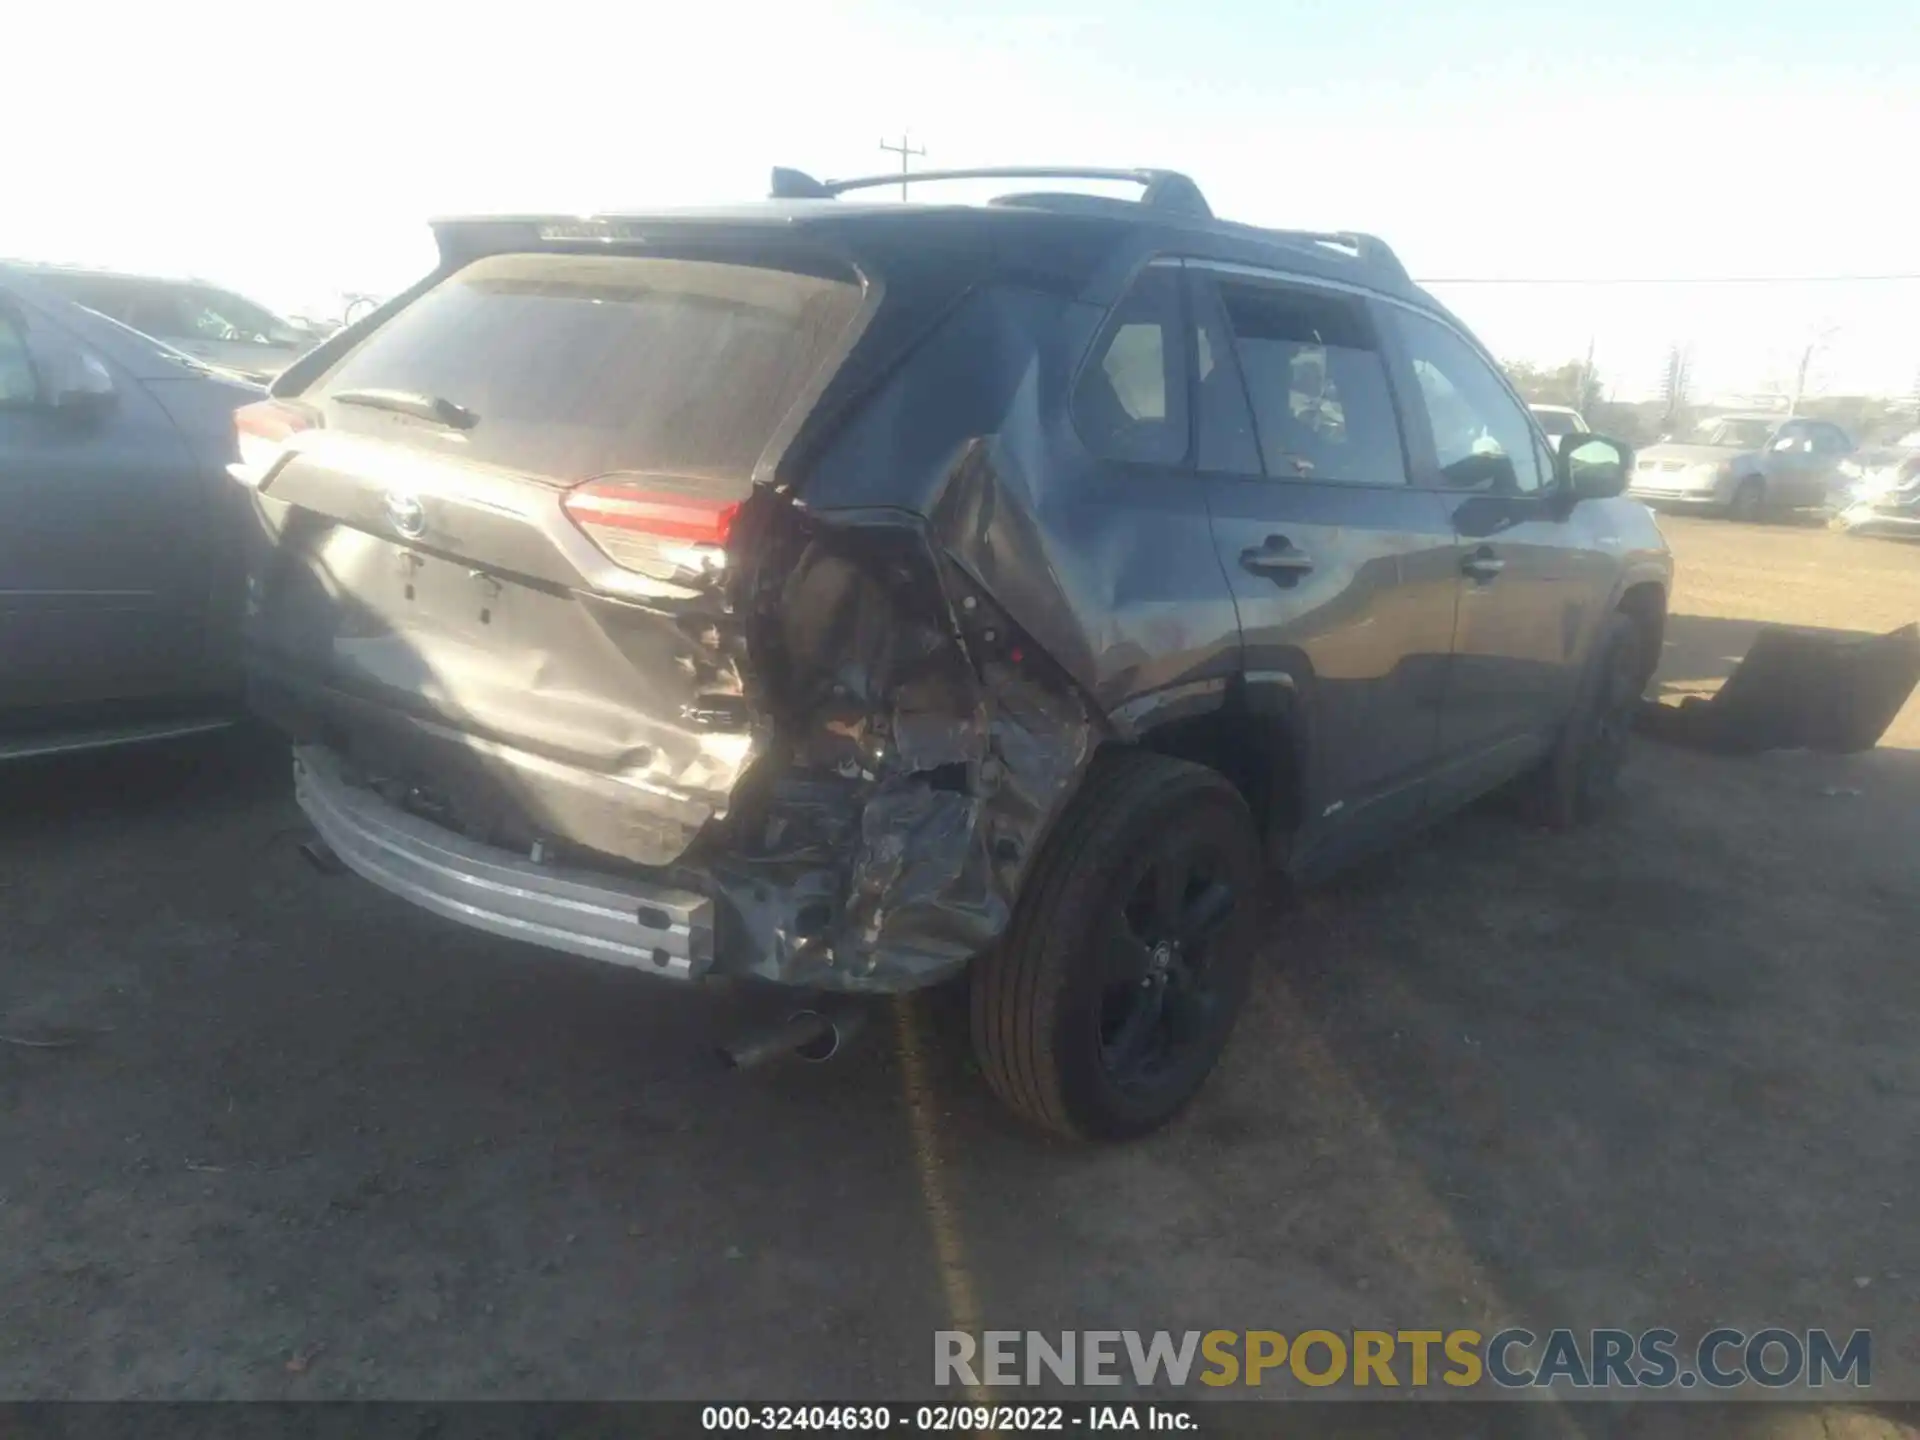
column 40, row 797
column 1655, row 1073
column 1702, row 649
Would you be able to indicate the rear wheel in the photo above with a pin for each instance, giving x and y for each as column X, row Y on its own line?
column 1749, row 501
column 1578, row 780
column 1107, row 1004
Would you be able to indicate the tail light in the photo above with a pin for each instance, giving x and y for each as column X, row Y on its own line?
column 260, row 432
column 646, row 527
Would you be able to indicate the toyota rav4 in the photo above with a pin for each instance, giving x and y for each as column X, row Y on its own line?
column 855, row 595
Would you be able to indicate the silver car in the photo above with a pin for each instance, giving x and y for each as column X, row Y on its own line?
column 121, row 582
column 1743, row 466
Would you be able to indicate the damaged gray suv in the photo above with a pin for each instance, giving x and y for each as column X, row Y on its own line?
column 853, row 596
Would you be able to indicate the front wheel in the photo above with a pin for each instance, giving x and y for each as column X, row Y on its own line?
column 1749, row 501
column 1106, row 1005
column 1578, row 780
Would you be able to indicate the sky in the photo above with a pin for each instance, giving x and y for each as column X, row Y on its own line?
column 296, row 152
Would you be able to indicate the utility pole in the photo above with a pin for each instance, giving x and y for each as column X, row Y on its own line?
column 905, row 151
column 1813, row 347
column 1800, row 380
column 1676, row 385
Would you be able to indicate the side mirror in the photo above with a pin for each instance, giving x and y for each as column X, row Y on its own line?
column 1592, row 467
column 78, row 384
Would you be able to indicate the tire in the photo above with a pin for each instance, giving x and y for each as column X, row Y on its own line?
column 1749, row 502
column 1577, row 782
column 1153, row 874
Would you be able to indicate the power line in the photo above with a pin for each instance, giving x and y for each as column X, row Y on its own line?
column 1667, row 279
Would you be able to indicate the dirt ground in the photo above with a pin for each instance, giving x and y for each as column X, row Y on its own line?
column 283, row 1136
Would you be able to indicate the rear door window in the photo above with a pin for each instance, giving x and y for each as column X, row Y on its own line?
column 576, row 366
column 158, row 310
column 1223, row 426
column 1317, row 384
column 1793, row 438
column 105, row 295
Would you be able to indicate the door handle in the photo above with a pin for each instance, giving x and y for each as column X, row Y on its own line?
column 1277, row 559
column 1483, row 564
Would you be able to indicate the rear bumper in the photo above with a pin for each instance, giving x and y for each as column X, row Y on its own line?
column 493, row 787
column 654, row 928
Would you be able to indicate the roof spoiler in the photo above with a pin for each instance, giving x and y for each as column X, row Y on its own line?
column 1160, row 189
column 1369, row 250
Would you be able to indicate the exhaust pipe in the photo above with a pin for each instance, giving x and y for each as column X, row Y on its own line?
column 814, row 1035
column 317, row 853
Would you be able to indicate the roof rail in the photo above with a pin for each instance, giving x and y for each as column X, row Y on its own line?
column 1161, row 189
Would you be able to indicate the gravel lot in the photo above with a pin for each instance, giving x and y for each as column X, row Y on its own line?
column 285, row 1137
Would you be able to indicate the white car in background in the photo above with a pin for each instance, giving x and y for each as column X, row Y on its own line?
column 1558, row 420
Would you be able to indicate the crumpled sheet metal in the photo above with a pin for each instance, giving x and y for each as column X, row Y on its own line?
column 1798, row 689
column 924, row 745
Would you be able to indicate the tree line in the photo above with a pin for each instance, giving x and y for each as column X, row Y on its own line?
column 1675, row 409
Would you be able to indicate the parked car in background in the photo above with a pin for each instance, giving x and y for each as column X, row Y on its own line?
column 853, row 597
column 209, row 323
column 121, row 578
column 1743, row 466
column 1558, row 420
column 1877, row 490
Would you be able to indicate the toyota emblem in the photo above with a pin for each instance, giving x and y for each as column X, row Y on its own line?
column 406, row 514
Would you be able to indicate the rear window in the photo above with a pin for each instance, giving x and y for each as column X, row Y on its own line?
column 584, row 365
column 104, row 296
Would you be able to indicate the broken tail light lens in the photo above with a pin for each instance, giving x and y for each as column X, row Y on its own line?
column 260, row 432
column 644, row 526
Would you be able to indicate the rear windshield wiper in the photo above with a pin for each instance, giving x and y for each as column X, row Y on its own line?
column 405, row 402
